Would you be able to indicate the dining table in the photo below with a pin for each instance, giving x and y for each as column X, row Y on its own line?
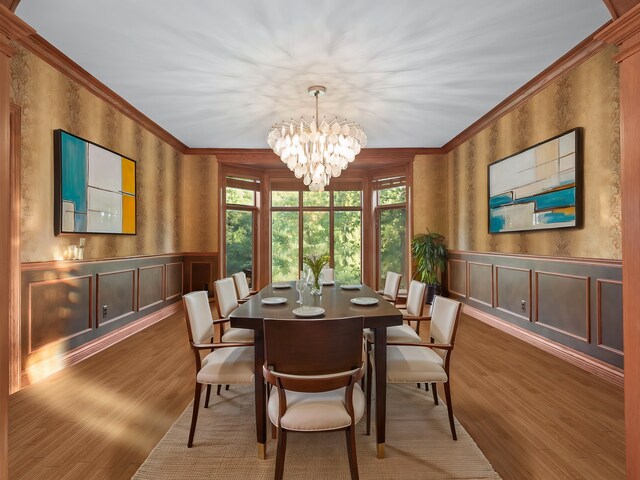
column 336, row 302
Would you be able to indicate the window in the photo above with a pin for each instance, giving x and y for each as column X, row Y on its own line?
column 391, row 228
column 306, row 222
column 241, row 200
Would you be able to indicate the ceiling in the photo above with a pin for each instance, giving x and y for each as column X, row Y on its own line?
column 413, row 73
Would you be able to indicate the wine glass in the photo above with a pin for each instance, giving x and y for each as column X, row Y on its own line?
column 301, row 283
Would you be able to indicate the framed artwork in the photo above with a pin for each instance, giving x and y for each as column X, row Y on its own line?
column 95, row 188
column 538, row 188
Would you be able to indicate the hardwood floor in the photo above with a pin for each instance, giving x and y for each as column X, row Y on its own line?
column 534, row 416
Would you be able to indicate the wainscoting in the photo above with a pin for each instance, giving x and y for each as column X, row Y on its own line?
column 572, row 302
column 70, row 309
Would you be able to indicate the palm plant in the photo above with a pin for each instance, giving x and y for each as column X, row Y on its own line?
column 430, row 255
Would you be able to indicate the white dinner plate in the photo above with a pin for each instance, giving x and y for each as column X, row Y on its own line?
column 274, row 300
column 351, row 287
column 364, row 300
column 308, row 311
column 281, row 285
column 328, row 283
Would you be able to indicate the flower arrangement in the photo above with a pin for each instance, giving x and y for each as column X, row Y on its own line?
column 316, row 263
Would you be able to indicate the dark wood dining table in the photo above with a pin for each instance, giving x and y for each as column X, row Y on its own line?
column 337, row 304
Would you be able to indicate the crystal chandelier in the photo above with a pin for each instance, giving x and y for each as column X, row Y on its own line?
column 317, row 153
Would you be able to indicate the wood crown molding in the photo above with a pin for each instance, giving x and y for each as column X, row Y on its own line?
column 577, row 55
column 11, row 28
column 10, row 4
column 54, row 57
column 625, row 32
column 617, row 8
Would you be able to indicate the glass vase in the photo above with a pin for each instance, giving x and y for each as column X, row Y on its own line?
column 316, row 285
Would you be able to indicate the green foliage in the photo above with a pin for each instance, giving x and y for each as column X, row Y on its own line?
column 347, row 198
column 239, row 247
column 347, row 246
column 315, row 199
column 316, row 263
column 393, row 243
column 392, row 196
column 238, row 196
column 285, row 199
column 430, row 255
column 284, row 245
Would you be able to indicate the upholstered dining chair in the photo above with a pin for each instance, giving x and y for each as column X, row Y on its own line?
column 391, row 287
column 413, row 312
column 242, row 286
column 227, row 363
column 424, row 362
column 328, row 275
column 227, row 302
column 314, row 382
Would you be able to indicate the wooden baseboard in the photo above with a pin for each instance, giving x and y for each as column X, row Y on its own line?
column 99, row 344
column 601, row 369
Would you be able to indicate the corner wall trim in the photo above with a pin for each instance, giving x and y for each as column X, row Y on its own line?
column 607, row 372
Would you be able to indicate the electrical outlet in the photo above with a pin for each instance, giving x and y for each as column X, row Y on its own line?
column 523, row 305
column 104, row 311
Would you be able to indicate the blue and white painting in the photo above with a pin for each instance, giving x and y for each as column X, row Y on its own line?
column 536, row 188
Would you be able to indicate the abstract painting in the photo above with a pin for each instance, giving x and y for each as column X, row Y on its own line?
column 537, row 188
column 95, row 188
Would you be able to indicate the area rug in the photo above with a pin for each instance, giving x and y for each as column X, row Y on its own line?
column 418, row 445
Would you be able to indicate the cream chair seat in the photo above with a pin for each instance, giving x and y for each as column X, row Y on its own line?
column 227, row 302
column 227, row 363
column 409, row 362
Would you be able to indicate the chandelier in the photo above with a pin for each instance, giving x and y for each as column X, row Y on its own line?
column 317, row 153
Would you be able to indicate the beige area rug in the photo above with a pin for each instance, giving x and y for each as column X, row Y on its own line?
column 418, row 445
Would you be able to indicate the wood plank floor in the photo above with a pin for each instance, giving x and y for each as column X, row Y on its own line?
column 534, row 416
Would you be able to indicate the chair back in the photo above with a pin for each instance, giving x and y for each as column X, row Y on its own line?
column 392, row 285
column 226, row 299
column 444, row 319
column 242, row 286
column 313, row 347
column 415, row 298
column 328, row 275
column 198, row 315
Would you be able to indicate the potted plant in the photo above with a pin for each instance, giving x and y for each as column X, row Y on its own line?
column 430, row 256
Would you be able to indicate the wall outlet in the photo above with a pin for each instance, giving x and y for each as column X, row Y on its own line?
column 104, row 311
column 523, row 305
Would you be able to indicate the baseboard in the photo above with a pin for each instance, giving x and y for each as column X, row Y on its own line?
column 601, row 369
column 99, row 344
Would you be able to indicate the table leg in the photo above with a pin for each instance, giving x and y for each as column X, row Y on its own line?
column 380, row 352
column 261, row 411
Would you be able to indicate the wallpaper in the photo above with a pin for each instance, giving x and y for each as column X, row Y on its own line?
column 430, row 202
column 586, row 97
column 49, row 100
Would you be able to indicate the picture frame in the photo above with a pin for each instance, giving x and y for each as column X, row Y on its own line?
column 538, row 188
column 94, row 188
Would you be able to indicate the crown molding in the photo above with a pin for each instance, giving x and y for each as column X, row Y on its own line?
column 577, row 55
column 617, row 8
column 54, row 57
column 12, row 26
column 624, row 32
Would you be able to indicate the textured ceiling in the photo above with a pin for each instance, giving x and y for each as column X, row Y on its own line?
column 413, row 73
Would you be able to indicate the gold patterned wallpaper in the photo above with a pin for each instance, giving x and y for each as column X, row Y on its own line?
column 586, row 97
column 430, row 201
column 175, row 194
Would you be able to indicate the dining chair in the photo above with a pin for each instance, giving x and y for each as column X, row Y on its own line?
column 227, row 363
column 391, row 287
column 424, row 362
column 227, row 302
column 413, row 312
column 314, row 383
column 328, row 275
column 242, row 286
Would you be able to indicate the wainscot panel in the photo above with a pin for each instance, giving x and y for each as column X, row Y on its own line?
column 67, row 304
column 575, row 302
column 200, row 271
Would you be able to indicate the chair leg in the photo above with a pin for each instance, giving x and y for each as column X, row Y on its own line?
column 418, row 385
column 350, row 433
column 226, row 387
column 194, row 415
column 447, row 395
column 282, row 447
column 274, row 431
column 206, row 398
column 435, row 393
column 369, row 382
column 426, row 387
column 218, row 390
